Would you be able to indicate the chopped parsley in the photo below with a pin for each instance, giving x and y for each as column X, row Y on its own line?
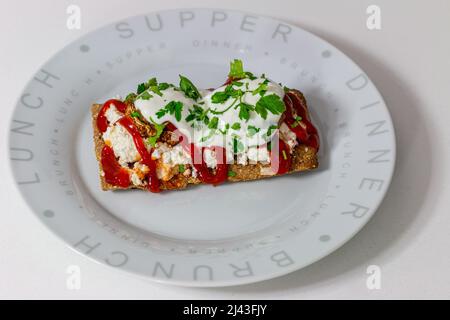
column 172, row 108
column 271, row 128
column 252, row 130
column 145, row 96
column 231, row 173
column 159, row 130
column 297, row 121
column 244, row 111
column 198, row 114
column 136, row 114
column 236, row 69
column 236, row 126
column 262, row 88
column 181, row 168
column 271, row 103
column 153, row 86
column 213, row 123
column 188, row 88
column 130, row 97
column 237, row 145
column 141, row 88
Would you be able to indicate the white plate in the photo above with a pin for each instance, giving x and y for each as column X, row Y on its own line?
column 204, row 236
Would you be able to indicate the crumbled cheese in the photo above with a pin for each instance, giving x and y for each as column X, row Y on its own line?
column 209, row 156
column 160, row 149
column 138, row 174
column 260, row 154
column 288, row 136
column 112, row 114
column 122, row 143
column 176, row 155
column 241, row 158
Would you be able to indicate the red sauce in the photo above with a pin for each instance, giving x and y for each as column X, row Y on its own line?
column 204, row 173
column 280, row 162
column 305, row 131
column 102, row 122
column 115, row 174
column 153, row 181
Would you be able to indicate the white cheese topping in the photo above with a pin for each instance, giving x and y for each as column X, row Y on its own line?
column 112, row 114
column 230, row 123
column 122, row 143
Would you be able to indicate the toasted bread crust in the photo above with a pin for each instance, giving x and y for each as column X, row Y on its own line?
column 303, row 158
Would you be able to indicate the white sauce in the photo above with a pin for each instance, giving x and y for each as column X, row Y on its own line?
column 198, row 132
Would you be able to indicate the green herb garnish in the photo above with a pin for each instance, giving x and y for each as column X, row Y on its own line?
column 199, row 114
column 237, row 145
column 145, row 96
column 172, row 108
column 297, row 121
column 188, row 88
column 135, row 114
column 236, row 126
column 271, row 103
column 213, row 123
column 231, row 173
column 159, row 130
column 244, row 111
column 252, row 130
column 181, row 168
column 271, row 128
column 236, row 69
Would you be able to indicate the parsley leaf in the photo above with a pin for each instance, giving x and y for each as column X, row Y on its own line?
column 181, row 168
column 172, row 108
column 272, row 103
column 237, row 145
column 236, row 126
column 197, row 114
column 236, row 69
column 213, row 123
column 135, row 114
column 231, row 173
column 252, row 130
column 271, row 128
column 159, row 129
column 141, row 88
column 244, row 111
column 220, row 97
column 188, row 88
column 262, row 88
column 297, row 121
column 145, row 96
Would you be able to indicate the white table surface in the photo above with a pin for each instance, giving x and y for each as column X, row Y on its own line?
column 409, row 236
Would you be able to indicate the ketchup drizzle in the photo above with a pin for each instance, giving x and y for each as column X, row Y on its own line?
column 153, row 181
column 115, row 174
column 204, row 174
column 102, row 122
column 304, row 130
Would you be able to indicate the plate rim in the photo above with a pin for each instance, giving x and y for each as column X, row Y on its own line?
column 215, row 283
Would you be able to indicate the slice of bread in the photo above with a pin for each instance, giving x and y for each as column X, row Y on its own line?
column 303, row 158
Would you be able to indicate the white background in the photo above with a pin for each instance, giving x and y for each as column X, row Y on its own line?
column 409, row 236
